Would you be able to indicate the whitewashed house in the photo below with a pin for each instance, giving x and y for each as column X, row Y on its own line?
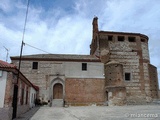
column 15, row 95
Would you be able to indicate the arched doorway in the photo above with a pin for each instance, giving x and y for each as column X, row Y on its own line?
column 106, row 95
column 58, row 91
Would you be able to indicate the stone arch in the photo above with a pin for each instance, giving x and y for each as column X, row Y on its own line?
column 59, row 84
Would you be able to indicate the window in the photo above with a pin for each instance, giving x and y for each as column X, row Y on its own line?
column 35, row 65
column 0, row 73
column 131, row 39
column 142, row 40
column 110, row 37
column 127, row 76
column 22, row 96
column 84, row 66
column 120, row 38
column 27, row 96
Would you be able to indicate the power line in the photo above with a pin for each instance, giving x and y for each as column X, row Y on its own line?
column 36, row 48
column 25, row 20
column 19, row 67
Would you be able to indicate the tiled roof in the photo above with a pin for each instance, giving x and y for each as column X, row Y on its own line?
column 13, row 68
column 57, row 57
column 6, row 65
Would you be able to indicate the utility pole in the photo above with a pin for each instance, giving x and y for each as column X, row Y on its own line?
column 15, row 95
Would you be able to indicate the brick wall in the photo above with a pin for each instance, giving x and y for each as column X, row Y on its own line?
column 9, row 90
column 22, row 108
column 84, row 91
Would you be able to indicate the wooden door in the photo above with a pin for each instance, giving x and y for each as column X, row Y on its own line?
column 58, row 91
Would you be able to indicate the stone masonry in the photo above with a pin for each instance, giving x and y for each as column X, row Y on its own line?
column 63, row 77
column 117, row 72
column 131, row 51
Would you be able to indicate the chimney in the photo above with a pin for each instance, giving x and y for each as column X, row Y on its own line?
column 95, row 24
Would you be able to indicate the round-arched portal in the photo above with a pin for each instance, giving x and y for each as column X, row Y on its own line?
column 58, row 91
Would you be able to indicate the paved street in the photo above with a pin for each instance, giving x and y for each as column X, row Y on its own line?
column 140, row 112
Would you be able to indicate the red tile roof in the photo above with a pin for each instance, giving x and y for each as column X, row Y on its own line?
column 6, row 65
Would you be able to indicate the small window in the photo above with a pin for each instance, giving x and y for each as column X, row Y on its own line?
column 131, row 39
column 127, row 76
column 84, row 66
column 120, row 38
column 142, row 40
column 110, row 37
column 35, row 65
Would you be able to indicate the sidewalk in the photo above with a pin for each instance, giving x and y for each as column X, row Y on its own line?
column 28, row 114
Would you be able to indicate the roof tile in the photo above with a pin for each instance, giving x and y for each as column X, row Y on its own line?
column 6, row 65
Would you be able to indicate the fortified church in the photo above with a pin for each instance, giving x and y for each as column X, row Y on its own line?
column 117, row 72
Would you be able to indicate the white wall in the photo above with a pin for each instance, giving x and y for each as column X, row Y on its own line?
column 74, row 70
column 2, row 88
column 32, row 99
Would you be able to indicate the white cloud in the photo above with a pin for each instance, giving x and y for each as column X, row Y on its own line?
column 5, row 5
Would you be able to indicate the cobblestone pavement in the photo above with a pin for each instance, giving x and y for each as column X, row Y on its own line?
column 28, row 115
column 137, row 112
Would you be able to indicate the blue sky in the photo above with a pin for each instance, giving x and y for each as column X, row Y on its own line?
column 65, row 26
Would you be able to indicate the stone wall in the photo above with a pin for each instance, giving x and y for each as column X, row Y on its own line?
column 48, row 71
column 84, row 91
column 153, row 80
column 132, row 52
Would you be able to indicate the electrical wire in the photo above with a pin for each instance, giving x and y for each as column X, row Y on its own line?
column 22, row 44
column 36, row 48
column 25, row 20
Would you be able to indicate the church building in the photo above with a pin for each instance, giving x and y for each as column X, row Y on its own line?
column 117, row 72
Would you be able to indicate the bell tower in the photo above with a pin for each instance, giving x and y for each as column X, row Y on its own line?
column 94, row 45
